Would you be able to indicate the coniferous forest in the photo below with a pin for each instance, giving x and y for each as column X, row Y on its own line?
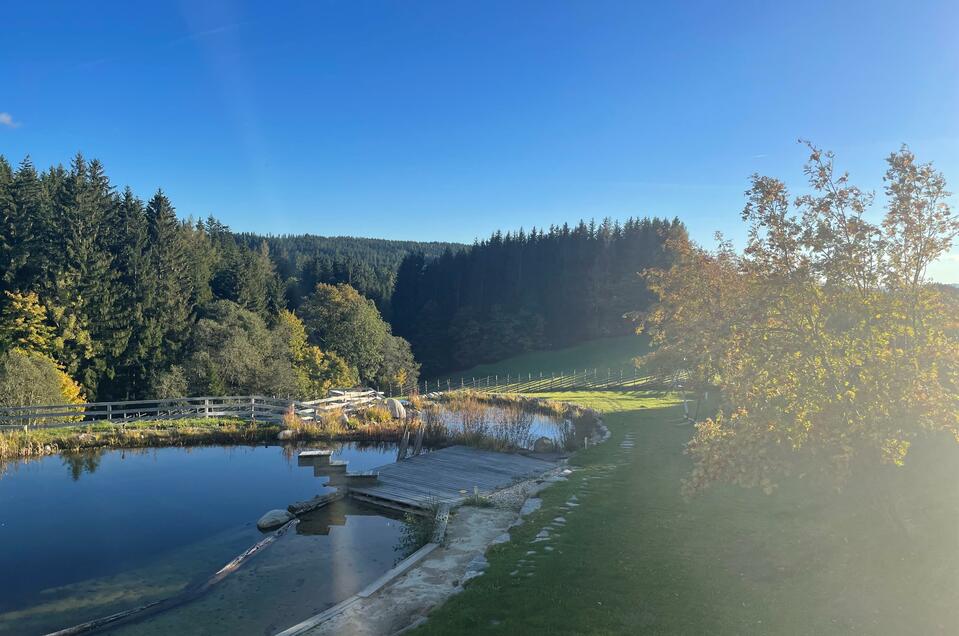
column 129, row 301
column 522, row 291
column 367, row 264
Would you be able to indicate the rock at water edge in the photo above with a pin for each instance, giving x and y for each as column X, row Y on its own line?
column 273, row 520
column 543, row 445
column 396, row 409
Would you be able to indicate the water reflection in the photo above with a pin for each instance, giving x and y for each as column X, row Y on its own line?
column 79, row 462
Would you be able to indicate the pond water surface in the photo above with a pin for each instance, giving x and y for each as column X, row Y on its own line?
column 86, row 535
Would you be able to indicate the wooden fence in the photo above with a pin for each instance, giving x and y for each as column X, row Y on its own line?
column 622, row 379
column 248, row 407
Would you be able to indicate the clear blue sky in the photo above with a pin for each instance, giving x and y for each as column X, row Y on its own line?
column 447, row 120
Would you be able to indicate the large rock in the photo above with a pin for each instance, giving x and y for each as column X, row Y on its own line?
column 285, row 434
column 273, row 520
column 396, row 409
column 544, row 445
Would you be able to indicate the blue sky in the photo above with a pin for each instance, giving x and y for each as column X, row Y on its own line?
column 447, row 120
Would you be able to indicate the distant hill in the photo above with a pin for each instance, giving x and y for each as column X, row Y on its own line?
column 368, row 264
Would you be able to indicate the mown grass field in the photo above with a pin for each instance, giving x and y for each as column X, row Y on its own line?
column 606, row 353
column 635, row 557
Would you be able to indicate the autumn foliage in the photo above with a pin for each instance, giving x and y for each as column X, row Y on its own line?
column 830, row 346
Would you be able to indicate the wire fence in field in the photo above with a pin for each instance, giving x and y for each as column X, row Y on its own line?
column 621, row 379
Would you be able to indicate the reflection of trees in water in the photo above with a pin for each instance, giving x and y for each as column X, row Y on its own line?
column 82, row 462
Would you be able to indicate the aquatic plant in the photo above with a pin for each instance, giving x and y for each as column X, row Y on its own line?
column 418, row 529
column 477, row 500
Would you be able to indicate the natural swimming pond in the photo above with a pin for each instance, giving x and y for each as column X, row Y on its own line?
column 85, row 535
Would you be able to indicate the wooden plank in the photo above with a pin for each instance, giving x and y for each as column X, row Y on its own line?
column 449, row 475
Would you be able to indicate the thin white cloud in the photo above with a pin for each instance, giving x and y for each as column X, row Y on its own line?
column 6, row 119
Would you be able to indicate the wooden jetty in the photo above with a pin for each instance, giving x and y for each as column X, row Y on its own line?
column 447, row 476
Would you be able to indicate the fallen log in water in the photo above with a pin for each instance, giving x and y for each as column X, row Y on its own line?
column 302, row 507
column 187, row 595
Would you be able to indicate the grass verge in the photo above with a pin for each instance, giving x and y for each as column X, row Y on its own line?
column 185, row 432
column 635, row 557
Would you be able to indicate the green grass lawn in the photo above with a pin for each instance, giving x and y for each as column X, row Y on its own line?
column 605, row 353
column 635, row 557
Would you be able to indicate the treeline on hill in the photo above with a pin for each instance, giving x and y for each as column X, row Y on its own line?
column 368, row 265
column 517, row 292
column 102, row 290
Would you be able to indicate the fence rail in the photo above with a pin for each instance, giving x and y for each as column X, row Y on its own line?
column 252, row 407
column 622, row 379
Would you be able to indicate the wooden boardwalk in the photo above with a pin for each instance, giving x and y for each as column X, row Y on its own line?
column 448, row 476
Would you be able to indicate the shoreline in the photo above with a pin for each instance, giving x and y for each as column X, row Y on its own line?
column 170, row 433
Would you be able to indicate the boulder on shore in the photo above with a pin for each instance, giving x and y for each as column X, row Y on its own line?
column 543, row 445
column 284, row 435
column 396, row 409
column 273, row 520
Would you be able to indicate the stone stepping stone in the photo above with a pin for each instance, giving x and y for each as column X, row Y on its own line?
column 503, row 538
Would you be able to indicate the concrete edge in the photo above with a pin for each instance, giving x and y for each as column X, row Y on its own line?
column 398, row 570
column 442, row 520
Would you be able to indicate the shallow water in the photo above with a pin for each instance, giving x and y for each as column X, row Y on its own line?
column 86, row 535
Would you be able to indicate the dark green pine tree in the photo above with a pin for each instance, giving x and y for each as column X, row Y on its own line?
column 127, row 239
column 9, row 235
column 82, row 290
column 169, row 308
column 24, row 208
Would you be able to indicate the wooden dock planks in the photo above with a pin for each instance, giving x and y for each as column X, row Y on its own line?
column 449, row 475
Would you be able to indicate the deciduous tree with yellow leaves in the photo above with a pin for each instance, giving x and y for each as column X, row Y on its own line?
column 827, row 340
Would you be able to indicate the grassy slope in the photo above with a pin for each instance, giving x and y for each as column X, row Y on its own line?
column 607, row 353
column 635, row 557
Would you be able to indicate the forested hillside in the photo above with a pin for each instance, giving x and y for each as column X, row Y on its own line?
column 519, row 292
column 129, row 301
column 367, row 264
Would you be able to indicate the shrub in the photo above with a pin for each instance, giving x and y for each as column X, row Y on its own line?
column 34, row 379
column 375, row 413
column 477, row 500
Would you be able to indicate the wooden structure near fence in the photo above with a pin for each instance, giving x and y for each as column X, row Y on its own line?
column 247, row 407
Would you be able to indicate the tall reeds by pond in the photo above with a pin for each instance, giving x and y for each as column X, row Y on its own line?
column 502, row 422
